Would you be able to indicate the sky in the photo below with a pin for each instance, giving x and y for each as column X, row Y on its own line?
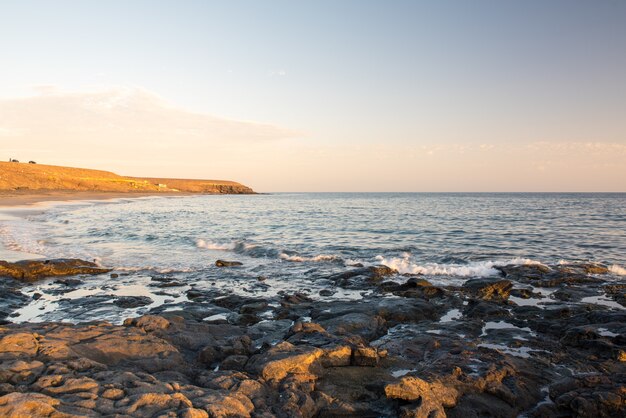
column 345, row 95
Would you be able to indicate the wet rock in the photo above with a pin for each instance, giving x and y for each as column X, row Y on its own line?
column 485, row 310
column 365, row 356
column 234, row 362
column 362, row 276
column 326, row 292
column 11, row 297
column 544, row 276
column 255, row 307
column 224, row 263
column 415, row 287
column 590, row 395
column 489, row 288
column 31, row 270
column 367, row 326
column 129, row 302
column 68, row 282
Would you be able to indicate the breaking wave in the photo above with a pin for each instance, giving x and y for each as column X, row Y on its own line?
column 210, row 245
column 617, row 270
column 317, row 258
column 471, row 269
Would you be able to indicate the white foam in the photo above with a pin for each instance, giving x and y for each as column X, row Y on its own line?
column 617, row 270
column 301, row 259
column 210, row 245
column 603, row 332
column 472, row 269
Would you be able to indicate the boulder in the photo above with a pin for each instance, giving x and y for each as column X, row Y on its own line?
column 31, row 270
column 429, row 399
column 224, row 263
column 489, row 288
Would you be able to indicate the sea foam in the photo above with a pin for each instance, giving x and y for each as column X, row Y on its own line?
column 617, row 270
column 405, row 264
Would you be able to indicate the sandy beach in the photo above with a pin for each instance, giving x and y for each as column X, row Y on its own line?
column 16, row 198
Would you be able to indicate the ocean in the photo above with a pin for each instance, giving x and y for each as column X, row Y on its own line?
column 292, row 242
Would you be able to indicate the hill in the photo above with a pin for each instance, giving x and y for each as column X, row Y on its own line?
column 39, row 177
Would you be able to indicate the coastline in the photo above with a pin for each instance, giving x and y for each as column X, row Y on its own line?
column 15, row 204
column 16, row 198
column 224, row 341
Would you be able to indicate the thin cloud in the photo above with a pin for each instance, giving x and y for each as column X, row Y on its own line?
column 131, row 115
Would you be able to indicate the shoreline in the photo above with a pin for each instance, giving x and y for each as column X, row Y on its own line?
column 16, row 204
column 30, row 198
column 503, row 346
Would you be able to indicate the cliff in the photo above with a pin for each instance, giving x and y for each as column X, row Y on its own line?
column 39, row 177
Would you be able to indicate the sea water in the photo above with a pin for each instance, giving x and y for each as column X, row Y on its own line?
column 295, row 241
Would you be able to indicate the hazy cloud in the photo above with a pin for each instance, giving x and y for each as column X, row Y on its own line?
column 130, row 117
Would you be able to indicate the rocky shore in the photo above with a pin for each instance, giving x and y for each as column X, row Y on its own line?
column 536, row 341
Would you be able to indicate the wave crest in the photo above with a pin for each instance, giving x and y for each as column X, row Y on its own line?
column 472, row 269
column 617, row 270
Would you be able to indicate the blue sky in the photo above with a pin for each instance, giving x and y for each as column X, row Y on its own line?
column 375, row 95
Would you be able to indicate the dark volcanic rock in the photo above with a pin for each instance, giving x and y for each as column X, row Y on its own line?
column 548, row 354
column 224, row 263
column 132, row 301
column 489, row 288
column 31, row 270
column 362, row 276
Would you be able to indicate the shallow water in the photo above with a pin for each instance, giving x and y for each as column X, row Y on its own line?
column 293, row 242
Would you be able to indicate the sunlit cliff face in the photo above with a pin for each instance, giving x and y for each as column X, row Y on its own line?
column 134, row 132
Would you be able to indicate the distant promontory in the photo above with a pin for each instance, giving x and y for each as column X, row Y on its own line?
column 24, row 177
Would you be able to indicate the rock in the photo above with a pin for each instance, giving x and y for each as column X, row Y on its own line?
column 193, row 413
column 21, row 372
column 251, row 308
column 17, row 405
column 129, row 302
column 148, row 323
column 113, row 394
column 485, row 310
column 224, row 263
column 31, row 270
column 590, row 395
column 147, row 404
column 282, row 359
column 489, row 288
column 429, row 399
column 367, row 326
column 82, row 384
column 365, row 356
column 68, row 282
column 415, row 287
column 19, row 344
column 224, row 406
column 362, row 276
column 234, row 362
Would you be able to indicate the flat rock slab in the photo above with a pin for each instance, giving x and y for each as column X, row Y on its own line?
column 31, row 270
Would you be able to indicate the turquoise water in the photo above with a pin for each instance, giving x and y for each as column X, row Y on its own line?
column 440, row 234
